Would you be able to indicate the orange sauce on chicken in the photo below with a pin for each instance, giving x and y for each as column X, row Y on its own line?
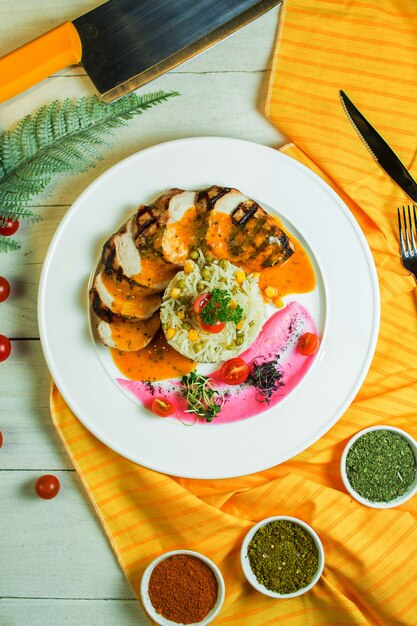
column 218, row 234
column 158, row 361
column 295, row 276
column 134, row 335
column 181, row 236
column 123, row 293
column 154, row 270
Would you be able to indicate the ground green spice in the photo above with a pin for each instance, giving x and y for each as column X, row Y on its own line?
column 381, row 465
column 283, row 556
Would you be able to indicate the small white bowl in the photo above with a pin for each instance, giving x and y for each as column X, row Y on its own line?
column 250, row 576
column 146, row 601
column 378, row 505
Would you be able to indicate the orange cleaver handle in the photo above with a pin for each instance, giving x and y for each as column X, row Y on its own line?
column 38, row 59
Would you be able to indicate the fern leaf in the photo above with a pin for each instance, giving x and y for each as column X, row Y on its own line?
column 14, row 213
column 8, row 245
column 61, row 137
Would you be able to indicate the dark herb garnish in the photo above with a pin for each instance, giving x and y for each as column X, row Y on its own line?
column 381, row 465
column 266, row 377
column 218, row 309
column 202, row 398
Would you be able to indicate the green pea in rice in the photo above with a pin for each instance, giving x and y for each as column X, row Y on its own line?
column 210, row 347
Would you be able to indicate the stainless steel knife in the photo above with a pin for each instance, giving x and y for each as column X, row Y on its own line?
column 379, row 149
column 123, row 44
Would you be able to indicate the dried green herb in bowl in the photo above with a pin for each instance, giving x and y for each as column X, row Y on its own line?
column 282, row 557
column 379, row 466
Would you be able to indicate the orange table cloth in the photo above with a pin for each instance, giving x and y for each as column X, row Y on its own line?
column 369, row 49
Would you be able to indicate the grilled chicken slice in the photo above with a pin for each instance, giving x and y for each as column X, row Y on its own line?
column 182, row 228
column 150, row 222
column 128, row 335
column 224, row 223
column 239, row 230
column 120, row 255
column 144, row 268
column 108, row 302
column 186, row 225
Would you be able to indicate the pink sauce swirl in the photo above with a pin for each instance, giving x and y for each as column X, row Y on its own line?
column 276, row 341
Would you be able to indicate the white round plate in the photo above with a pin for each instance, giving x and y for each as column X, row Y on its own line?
column 345, row 306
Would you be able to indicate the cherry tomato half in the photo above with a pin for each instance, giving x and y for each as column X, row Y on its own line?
column 47, row 486
column 308, row 344
column 4, row 289
column 234, row 372
column 5, row 348
column 1, row 439
column 212, row 328
column 162, row 407
column 9, row 227
column 200, row 302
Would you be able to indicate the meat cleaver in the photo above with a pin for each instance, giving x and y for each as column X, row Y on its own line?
column 123, row 44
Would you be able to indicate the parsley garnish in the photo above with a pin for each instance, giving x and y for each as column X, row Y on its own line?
column 201, row 397
column 218, row 309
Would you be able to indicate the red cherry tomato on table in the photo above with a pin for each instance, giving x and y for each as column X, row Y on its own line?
column 5, row 348
column 47, row 487
column 162, row 407
column 1, row 439
column 4, row 289
column 308, row 344
column 234, row 372
column 8, row 227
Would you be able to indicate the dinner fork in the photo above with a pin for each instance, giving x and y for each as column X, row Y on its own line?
column 407, row 227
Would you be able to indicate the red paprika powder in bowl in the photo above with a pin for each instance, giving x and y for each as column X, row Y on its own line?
column 182, row 587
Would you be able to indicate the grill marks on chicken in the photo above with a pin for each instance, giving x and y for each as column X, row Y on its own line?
column 143, row 256
column 243, row 232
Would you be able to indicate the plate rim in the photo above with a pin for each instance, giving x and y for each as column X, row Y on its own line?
column 347, row 214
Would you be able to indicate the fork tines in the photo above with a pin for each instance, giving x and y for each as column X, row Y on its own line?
column 407, row 226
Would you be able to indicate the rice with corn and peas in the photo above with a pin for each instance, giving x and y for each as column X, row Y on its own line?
column 181, row 324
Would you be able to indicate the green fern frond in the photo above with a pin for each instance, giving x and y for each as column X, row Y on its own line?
column 61, row 137
column 14, row 213
column 8, row 245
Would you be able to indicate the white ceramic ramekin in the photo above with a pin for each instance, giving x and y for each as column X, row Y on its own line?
column 247, row 570
column 146, row 601
column 378, row 505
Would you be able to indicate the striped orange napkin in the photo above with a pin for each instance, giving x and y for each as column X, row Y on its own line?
column 369, row 49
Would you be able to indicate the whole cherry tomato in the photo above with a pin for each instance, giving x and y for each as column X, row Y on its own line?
column 8, row 227
column 4, row 289
column 47, row 486
column 162, row 407
column 308, row 344
column 5, row 348
column 234, row 372
column 1, row 439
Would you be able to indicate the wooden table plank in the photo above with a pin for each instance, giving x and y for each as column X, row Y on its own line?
column 54, row 548
column 30, row 439
column 72, row 613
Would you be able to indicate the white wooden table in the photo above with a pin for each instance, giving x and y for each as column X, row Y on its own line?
column 56, row 566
